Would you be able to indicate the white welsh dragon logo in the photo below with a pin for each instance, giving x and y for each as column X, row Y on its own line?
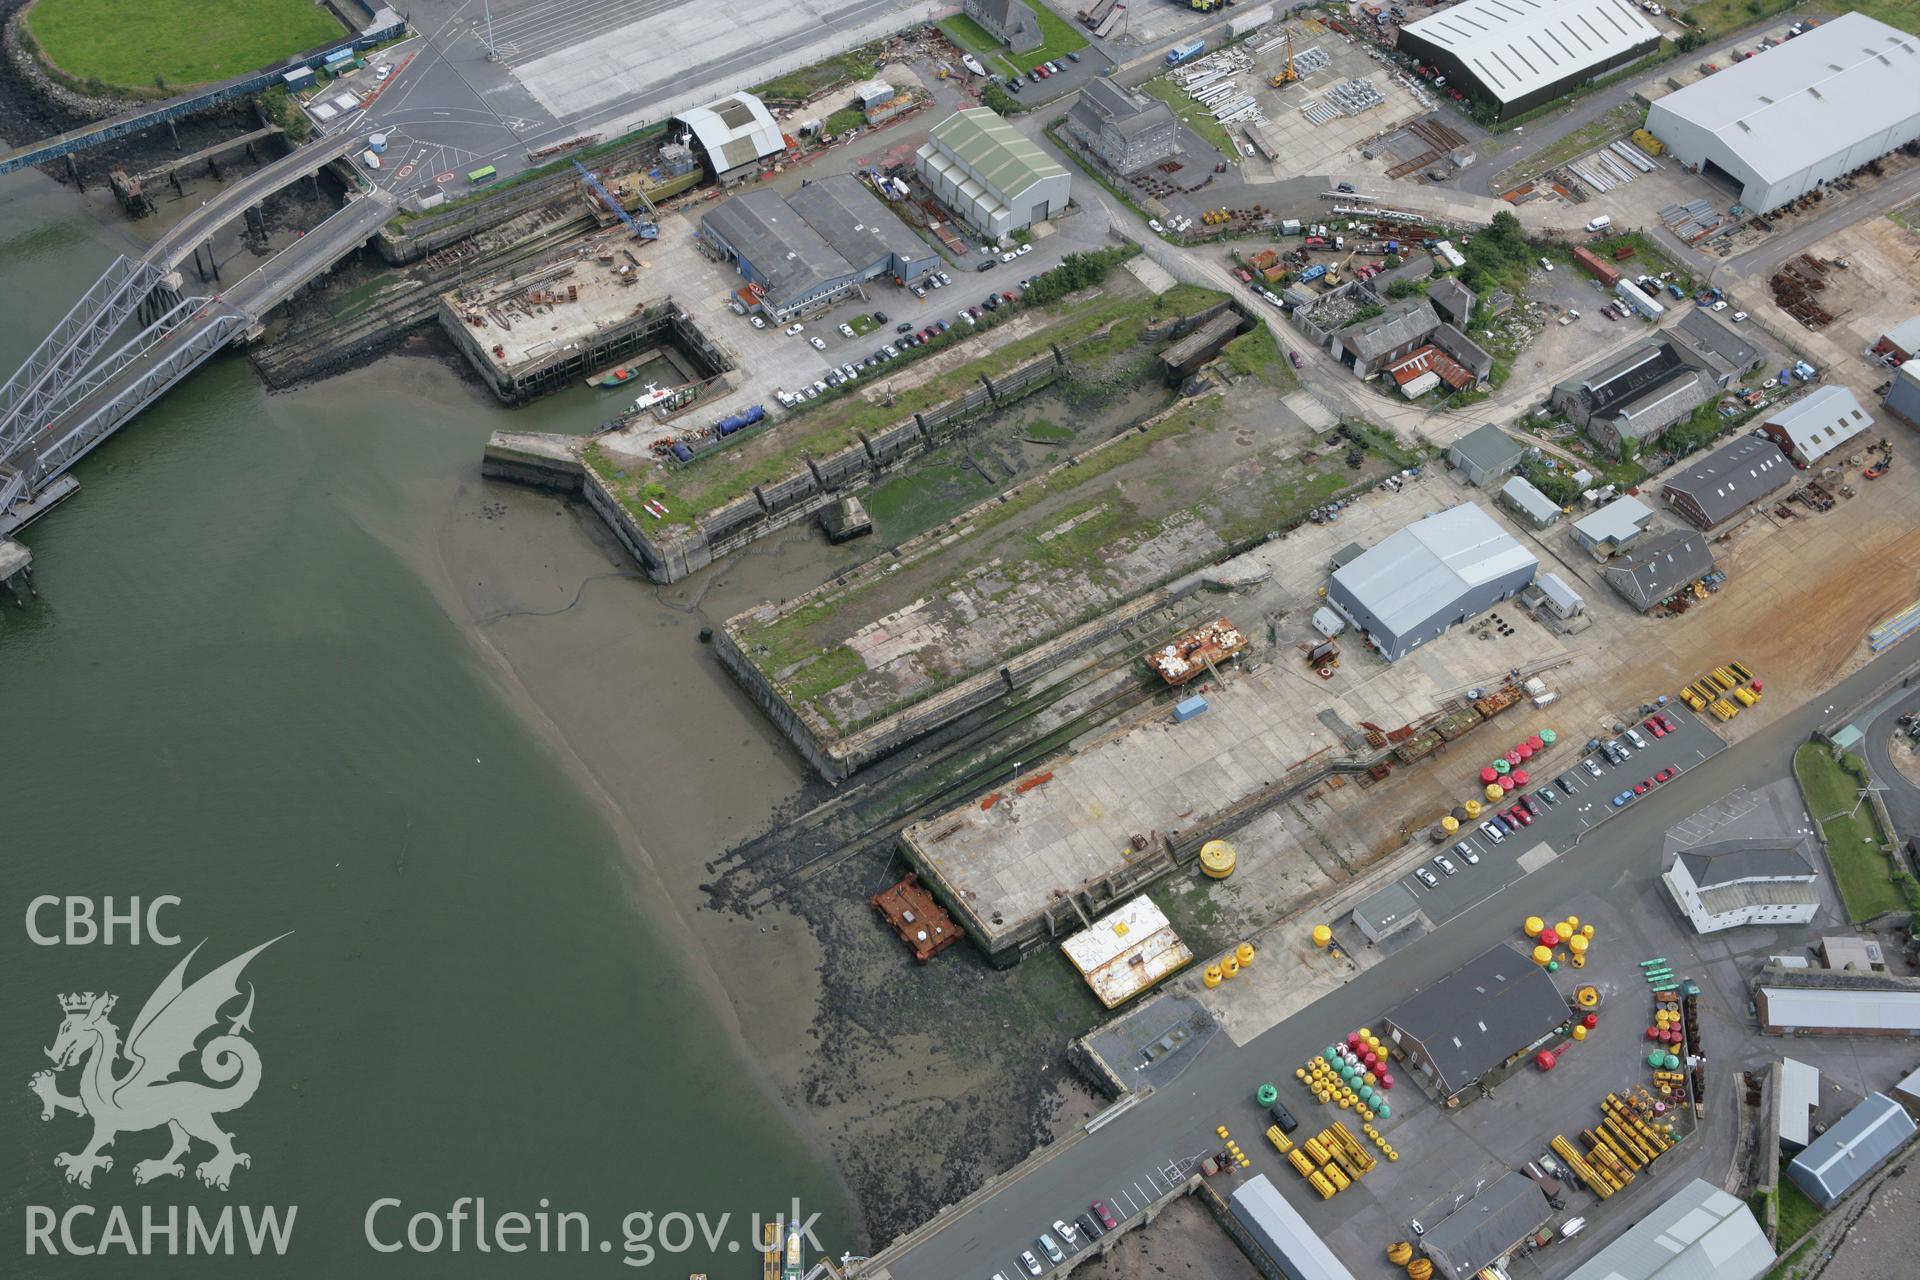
column 147, row 1096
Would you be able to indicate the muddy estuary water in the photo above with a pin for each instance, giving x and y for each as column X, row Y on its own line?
column 296, row 666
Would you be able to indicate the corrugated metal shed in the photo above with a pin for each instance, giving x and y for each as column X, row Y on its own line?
column 1414, row 573
column 1007, row 160
column 1819, row 422
column 1285, row 1236
column 1697, row 1233
column 1127, row 951
column 1529, row 501
column 1620, row 521
column 1564, row 598
column 1517, row 48
column 1482, row 1013
column 1728, row 480
column 1861, row 1142
column 1486, row 451
column 1861, row 1010
column 1799, row 1095
column 737, row 130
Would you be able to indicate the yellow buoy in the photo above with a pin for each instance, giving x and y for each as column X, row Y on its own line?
column 1586, row 931
column 1299, row 1073
column 1580, row 962
column 1244, row 954
column 1542, row 954
column 1419, row 1269
column 1577, row 945
column 1229, row 967
column 1217, row 859
column 1494, row 792
column 1573, row 922
column 1212, row 976
column 1344, row 1104
column 1219, row 1131
column 1534, row 925
column 1400, row 1253
column 1563, row 928
column 1473, row 809
column 1450, row 824
column 1579, row 1031
column 1322, row 935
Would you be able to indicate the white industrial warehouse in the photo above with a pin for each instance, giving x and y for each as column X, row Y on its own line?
column 1800, row 114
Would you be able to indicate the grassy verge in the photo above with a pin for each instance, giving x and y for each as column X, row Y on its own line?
column 172, row 44
column 1856, row 849
column 1790, row 1266
column 1256, row 354
column 1798, row 1215
column 1647, row 258
column 798, row 86
column 1195, row 114
column 844, row 119
column 1059, row 39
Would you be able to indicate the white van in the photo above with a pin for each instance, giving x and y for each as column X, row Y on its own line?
column 370, row 160
column 1600, row 223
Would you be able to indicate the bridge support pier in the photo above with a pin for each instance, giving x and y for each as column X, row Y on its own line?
column 212, row 264
column 73, row 171
column 178, row 190
column 173, row 129
column 213, row 169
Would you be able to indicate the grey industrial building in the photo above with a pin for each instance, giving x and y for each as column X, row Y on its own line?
column 1010, row 22
column 1497, row 1007
column 1382, row 914
column 1453, row 300
column 1806, row 112
column 1485, row 454
column 1903, row 397
column 1697, row 1232
column 1714, row 346
column 814, row 247
column 1371, row 345
column 1818, row 423
column 1857, row 1144
column 1520, row 497
column 732, row 136
column 1425, row 578
column 1614, row 527
column 1278, row 1231
column 1816, row 1002
column 1659, row 568
column 1726, row 486
column 1128, row 130
column 1483, row 1229
column 990, row 174
column 1518, row 56
column 1636, row 395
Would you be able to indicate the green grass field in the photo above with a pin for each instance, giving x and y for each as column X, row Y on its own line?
column 147, row 44
column 1855, row 847
column 1061, row 39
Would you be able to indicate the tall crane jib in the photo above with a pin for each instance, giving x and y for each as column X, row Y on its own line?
column 643, row 230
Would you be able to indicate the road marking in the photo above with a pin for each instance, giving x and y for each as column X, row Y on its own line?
column 1145, row 1199
column 444, row 177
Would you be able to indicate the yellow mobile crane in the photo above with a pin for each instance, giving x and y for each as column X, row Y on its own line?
column 1286, row 75
column 1332, row 278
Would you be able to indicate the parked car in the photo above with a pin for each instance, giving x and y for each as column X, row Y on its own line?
column 1565, row 783
column 819, row 343
column 1492, row 832
column 1295, row 357
column 1520, row 816
column 1088, row 1227
column 1591, row 765
column 1545, row 265
column 1621, row 800
column 1548, row 795
column 1467, row 855
column 1666, row 775
column 756, row 322
column 1531, row 805
column 988, row 265
column 1065, row 1232
column 1445, row 863
column 1073, row 56
column 1643, row 786
column 1023, row 250
column 1031, row 1263
column 381, row 72
column 1050, row 1248
column 1639, row 743
column 1427, row 877
column 1654, row 727
column 1346, row 187
column 1107, row 1219
column 1738, row 316
column 793, row 329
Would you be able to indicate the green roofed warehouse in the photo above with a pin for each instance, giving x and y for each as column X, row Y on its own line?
column 990, row 174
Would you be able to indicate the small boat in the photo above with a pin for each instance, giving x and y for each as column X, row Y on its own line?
column 652, row 396
column 612, row 378
column 972, row 64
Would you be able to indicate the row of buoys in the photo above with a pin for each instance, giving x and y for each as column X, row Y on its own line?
column 1228, row 966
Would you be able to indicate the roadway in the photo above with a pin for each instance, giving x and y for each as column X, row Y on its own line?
column 1169, row 1126
column 181, row 239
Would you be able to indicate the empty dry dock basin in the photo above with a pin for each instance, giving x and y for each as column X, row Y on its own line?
column 979, row 608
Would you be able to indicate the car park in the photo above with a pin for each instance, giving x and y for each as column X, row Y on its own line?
column 1445, row 863
column 1051, row 1248
column 1492, row 832
column 1591, row 766
column 1427, row 877
column 1467, row 855
column 846, row 331
column 1622, row 799
column 819, row 343
column 1565, row 783
column 1107, row 1219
